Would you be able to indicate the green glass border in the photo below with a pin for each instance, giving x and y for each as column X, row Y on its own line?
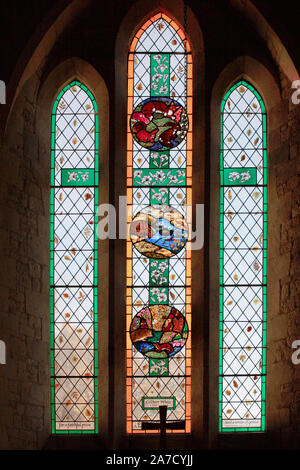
column 264, row 283
column 77, row 184
column 153, row 65
column 251, row 182
column 95, row 288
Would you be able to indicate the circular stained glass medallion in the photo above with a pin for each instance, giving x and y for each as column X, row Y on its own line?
column 159, row 123
column 159, row 232
column 159, row 331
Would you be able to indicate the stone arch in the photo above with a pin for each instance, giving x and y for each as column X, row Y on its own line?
column 61, row 15
column 40, row 44
column 267, row 33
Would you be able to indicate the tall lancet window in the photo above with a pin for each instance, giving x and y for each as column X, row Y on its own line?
column 74, row 261
column 159, row 186
column 243, row 256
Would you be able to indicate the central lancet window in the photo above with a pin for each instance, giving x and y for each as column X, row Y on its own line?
column 159, row 190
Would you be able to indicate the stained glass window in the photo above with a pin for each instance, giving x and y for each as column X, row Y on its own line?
column 74, row 261
column 243, row 260
column 159, row 179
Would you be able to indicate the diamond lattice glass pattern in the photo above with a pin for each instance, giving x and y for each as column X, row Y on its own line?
column 74, row 261
column 158, row 258
column 243, row 251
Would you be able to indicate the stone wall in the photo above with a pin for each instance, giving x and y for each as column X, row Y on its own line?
column 24, row 281
column 283, row 325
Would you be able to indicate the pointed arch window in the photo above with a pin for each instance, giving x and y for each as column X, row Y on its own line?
column 159, row 187
column 243, row 260
column 74, row 261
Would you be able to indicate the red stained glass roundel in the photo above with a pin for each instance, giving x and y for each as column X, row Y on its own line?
column 159, row 123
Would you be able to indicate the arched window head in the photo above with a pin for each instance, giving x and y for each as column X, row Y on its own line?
column 74, row 261
column 243, row 260
column 159, row 187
